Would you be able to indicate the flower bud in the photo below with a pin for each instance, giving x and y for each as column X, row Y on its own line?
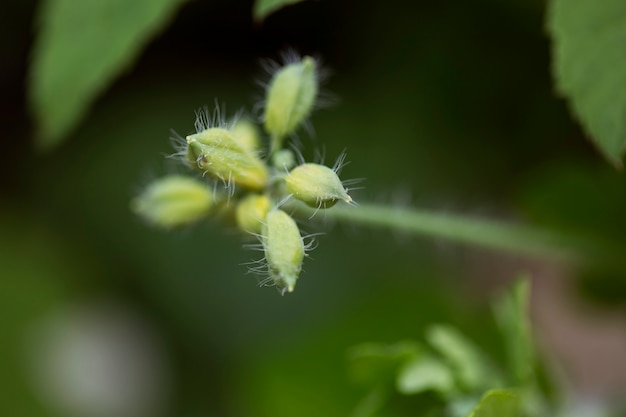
column 316, row 185
column 215, row 152
column 174, row 201
column 247, row 135
column 284, row 159
column 251, row 211
column 290, row 98
column 284, row 249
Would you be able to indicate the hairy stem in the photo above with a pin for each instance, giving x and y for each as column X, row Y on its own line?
column 515, row 238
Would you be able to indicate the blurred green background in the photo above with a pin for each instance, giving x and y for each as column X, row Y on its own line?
column 446, row 105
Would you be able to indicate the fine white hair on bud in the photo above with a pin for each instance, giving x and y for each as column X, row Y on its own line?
column 316, row 185
column 217, row 153
column 284, row 249
column 263, row 178
column 174, row 201
column 290, row 97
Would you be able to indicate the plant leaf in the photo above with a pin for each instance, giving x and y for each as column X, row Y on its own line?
column 512, row 315
column 81, row 47
column 373, row 402
column 498, row 403
column 377, row 364
column 264, row 8
column 589, row 67
column 467, row 360
column 423, row 374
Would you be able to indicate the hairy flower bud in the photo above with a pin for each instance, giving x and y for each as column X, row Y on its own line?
column 316, row 185
column 251, row 211
column 174, row 201
column 215, row 152
column 290, row 98
column 247, row 135
column 284, row 249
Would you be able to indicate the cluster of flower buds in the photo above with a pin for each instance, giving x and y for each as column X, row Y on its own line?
column 260, row 188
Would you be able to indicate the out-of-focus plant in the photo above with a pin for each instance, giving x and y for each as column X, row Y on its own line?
column 454, row 375
column 266, row 187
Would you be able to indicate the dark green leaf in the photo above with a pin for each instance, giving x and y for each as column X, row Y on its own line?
column 264, row 8
column 589, row 66
column 81, row 47
column 498, row 403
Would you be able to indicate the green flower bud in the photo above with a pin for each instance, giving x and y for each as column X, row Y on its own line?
column 247, row 135
column 284, row 159
column 174, row 201
column 215, row 152
column 290, row 98
column 251, row 211
column 284, row 249
column 316, row 185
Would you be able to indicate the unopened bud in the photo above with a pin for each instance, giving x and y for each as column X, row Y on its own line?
column 215, row 152
column 284, row 249
column 251, row 212
column 290, row 98
column 316, row 185
column 174, row 201
column 284, row 159
column 247, row 135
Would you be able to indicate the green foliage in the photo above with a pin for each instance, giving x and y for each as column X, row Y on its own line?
column 498, row 403
column 423, row 374
column 264, row 8
column 469, row 363
column 428, row 97
column 590, row 67
column 457, row 370
column 372, row 363
column 81, row 47
column 511, row 311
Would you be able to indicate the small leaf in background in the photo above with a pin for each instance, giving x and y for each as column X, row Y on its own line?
column 81, row 47
column 498, row 403
column 423, row 374
column 264, row 8
column 512, row 315
column 461, row 406
column 589, row 66
column 371, row 403
column 376, row 364
column 469, row 363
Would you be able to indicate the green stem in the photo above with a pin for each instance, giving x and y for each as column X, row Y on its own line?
column 519, row 239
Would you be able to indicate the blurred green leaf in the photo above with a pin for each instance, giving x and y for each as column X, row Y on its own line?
column 512, row 315
column 462, row 406
column 375, row 363
column 81, row 47
column 469, row 363
column 590, row 67
column 371, row 403
column 498, row 403
column 423, row 374
column 264, row 8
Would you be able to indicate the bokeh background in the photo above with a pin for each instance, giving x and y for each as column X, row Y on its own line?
column 445, row 105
